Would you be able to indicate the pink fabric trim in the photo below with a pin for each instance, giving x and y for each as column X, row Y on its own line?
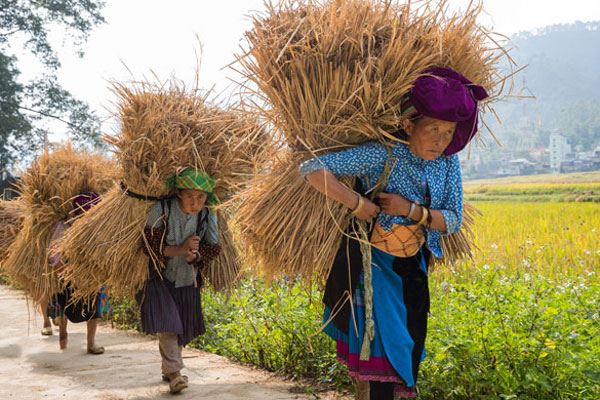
column 376, row 368
column 374, row 365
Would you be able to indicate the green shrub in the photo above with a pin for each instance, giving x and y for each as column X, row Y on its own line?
column 492, row 334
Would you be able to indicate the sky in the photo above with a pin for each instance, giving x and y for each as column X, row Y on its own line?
column 162, row 38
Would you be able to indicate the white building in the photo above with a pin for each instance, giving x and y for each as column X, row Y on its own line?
column 559, row 148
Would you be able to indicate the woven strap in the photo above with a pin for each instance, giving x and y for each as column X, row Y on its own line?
column 138, row 196
column 365, row 247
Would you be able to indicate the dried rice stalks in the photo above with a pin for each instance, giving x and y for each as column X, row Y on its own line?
column 332, row 74
column 11, row 219
column 163, row 130
column 224, row 271
column 276, row 240
column 46, row 192
column 459, row 246
column 231, row 144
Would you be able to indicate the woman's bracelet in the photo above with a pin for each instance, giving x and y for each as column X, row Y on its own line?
column 413, row 207
column 424, row 216
column 359, row 206
column 429, row 218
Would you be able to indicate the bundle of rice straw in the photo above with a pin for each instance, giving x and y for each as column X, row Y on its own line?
column 164, row 130
column 46, row 192
column 11, row 219
column 235, row 144
column 332, row 75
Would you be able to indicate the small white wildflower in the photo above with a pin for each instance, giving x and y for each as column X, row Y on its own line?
column 494, row 246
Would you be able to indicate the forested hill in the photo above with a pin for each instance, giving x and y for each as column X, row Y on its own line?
column 563, row 73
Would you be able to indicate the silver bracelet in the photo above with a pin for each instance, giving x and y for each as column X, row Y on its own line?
column 413, row 207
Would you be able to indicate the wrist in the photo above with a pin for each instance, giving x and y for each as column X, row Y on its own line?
column 181, row 250
column 354, row 202
column 417, row 214
column 359, row 206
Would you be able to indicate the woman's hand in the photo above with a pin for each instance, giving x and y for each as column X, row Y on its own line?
column 191, row 256
column 368, row 210
column 191, row 243
column 393, row 204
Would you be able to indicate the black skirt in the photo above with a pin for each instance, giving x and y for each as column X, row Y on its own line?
column 167, row 309
column 79, row 311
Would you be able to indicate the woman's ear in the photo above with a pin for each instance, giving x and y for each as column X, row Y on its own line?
column 408, row 126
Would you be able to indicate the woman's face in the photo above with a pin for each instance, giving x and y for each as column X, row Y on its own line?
column 429, row 137
column 191, row 201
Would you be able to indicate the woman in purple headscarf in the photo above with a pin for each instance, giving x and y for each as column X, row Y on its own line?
column 61, row 307
column 380, row 323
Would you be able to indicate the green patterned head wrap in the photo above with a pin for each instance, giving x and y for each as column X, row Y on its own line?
column 195, row 180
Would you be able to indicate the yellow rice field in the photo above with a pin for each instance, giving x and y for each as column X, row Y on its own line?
column 548, row 238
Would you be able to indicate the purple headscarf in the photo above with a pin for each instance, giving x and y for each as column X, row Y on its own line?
column 443, row 93
column 84, row 201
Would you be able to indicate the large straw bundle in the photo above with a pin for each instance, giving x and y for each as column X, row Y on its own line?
column 46, row 192
column 11, row 219
column 163, row 131
column 332, row 74
column 233, row 144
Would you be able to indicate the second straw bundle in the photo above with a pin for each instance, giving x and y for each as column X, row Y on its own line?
column 164, row 130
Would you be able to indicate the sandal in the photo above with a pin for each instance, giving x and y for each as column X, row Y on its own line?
column 177, row 384
column 95, row 350
column 165, row 378
column 47, row 331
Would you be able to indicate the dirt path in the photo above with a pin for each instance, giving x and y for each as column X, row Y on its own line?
column 33, row 367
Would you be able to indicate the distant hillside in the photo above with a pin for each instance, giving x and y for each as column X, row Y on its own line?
column 564, row 74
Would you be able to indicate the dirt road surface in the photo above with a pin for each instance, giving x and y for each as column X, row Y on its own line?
column 33, row 367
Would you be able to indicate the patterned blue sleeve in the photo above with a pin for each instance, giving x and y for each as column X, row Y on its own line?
column 364, row 160
column 453, row 197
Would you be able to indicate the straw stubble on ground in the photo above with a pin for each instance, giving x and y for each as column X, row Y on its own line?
column 32, row 366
